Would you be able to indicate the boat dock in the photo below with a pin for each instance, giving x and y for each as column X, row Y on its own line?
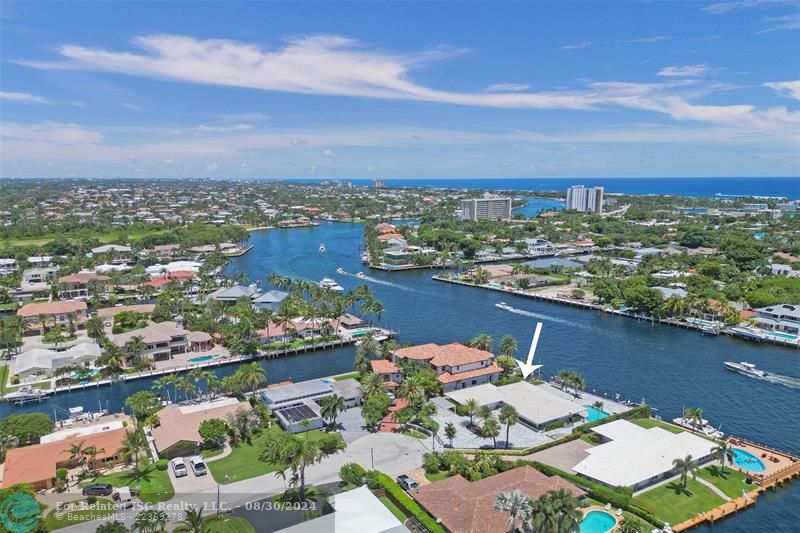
column 608, row 310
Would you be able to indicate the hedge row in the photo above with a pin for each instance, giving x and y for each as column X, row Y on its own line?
column 620, row 498
column 400, row 498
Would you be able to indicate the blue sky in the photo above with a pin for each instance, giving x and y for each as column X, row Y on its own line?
column 400, row 89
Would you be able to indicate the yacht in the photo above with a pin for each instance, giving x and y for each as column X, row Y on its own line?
column 26, row 394
column 361, row 275
column 322, row 248
column 340, row 270
column 704, row 427
column 328, row 283
column 751, row 334
column 503, row 305
column 745, row 368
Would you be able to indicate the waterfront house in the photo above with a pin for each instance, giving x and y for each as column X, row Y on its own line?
column 163, row 340
column 31, row 276
column 275, row 332
column 463, row 506
column 39, row 317
column 781, row 318
column 43, row 361
column 270, row 300
column 83, row 285
column 637, row 457
column 394, row 240
column 456, row 366
column 36, row 465
column 390, row 372
column 178, row 430
column 294, row 403
column 232, row 294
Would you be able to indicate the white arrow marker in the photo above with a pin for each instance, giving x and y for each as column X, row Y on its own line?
column 528, row 367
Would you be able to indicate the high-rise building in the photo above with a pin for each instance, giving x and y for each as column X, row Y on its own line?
column 488, row 208
column 377, row 184
column 585, row 199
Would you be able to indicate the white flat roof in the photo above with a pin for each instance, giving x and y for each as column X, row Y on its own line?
column 636, row 454
column 535, row 403
column 210, row 404
column 81, row 431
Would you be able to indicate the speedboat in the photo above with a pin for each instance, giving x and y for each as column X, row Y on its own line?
column 322, row 248
column 340, row 270
column 26, row 394
column 745, row 368
column 328, row 283
column 709, row 330
column 503, row 305
column 361, row 275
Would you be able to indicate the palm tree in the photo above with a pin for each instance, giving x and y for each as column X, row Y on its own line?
column 471, row 407
column 252, row 376
column 566, row 507
column 685, row 467
column 136, row 346
column 508, row 346
column 371, row 384
column 483, row 341
column 694, row 416
column 516, row 504
column 94, row 328
column 132, row 446
column 450, row 432
column 192, row 522
column 508, row 416
column 150, row 521
column 330, row 407
column 491, row 429
column 91, row 454
column 722, row 452
column 112, row 358
column 291, row 452
column 631, row 525
column 164, row 382
column 412, row 389
column 77, row 454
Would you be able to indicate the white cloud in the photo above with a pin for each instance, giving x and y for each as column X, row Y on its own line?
column 245, row 117
column 685, row 71
column 328, row 153
column 508, row 87
column 77, row 103
column 786, row 22
column 577, row 46
column 720, row 8
column 213, row 167
column 653, row 39
column 50, row 132
column 132, row 107
column 23, row 97
column 787, row 88
column 206, row 128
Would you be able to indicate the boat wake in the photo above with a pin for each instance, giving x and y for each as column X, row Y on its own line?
column 544, row 317
column 370, row 279
column 786, row 381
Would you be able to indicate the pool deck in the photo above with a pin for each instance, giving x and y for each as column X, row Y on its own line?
column 780, row 467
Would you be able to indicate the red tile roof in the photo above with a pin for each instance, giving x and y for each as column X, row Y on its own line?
column 453, row 354
column 51, row 308
column 382, row 366
column 466, row 507
column 387, row 236
column 447, row 377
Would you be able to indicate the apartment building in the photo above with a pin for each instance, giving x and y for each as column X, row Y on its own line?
column 488, row 208
column 585, row 199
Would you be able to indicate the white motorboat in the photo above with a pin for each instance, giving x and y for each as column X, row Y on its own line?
column 745, row 368
column 26, row 394
column 361, row 275
column 340, row 270
column 751, row 334
column 703, row 427
column 328, row 283
column 503, row 305
column 322, row 248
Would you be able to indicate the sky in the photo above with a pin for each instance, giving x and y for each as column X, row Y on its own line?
column 396, row 89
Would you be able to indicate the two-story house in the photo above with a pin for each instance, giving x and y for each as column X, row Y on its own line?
column 162, row 340
column 456, row 366
column 82, row 285
column 782, row 318
column 39, row 317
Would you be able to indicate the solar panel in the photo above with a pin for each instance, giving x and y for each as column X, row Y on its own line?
column 297, row 413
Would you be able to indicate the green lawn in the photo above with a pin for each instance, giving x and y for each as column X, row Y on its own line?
column 674, row 504
column 437, row 476
column 154, row 484
column 731, row 482
column 414, row 433
column 205, row 454
column 227, row 524
column 353, row 375
column 653, row 423
column 3, row 377
column 396, row 511
column 40, row 385
column 243, row 462
column 57, row 519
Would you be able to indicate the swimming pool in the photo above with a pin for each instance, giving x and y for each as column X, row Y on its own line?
column 747, row 461
column 597, row 522
column 782, row 335
column 593, row 413
column 201, row 359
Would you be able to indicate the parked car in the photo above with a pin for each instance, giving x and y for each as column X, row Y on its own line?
column 407, row 482
column 198, row 466
column 98, row 489
column 179, row 467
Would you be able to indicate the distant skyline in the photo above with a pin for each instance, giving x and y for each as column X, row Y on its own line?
column 400, row 89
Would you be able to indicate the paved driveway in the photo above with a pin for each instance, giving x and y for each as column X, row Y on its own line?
column 351, row 425
column 190, row 483
column 520, row 436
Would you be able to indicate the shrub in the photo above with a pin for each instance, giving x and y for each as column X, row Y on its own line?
column 61, row 474
column 403, row 500
column 555, row 424
column 432, row 462
column 461, row 410
column 161, row 464
column 329, row 444
column 372, row 480
column 15, row 379
column 352, row 474
column 91, row 500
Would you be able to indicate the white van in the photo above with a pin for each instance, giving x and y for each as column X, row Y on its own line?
column 198, row 466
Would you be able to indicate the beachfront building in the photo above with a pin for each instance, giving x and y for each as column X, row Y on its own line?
column 42, row 361
column 40, row 317
column 296, row 403
column 486, row 208
column 636, row 457
column 163, row 340
column 82, row 285
column 36, row 465
column 781, row 318
column 585, row 199
column 179, row 423
column 538, row 406
column 456, row 366
column 463, row 506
